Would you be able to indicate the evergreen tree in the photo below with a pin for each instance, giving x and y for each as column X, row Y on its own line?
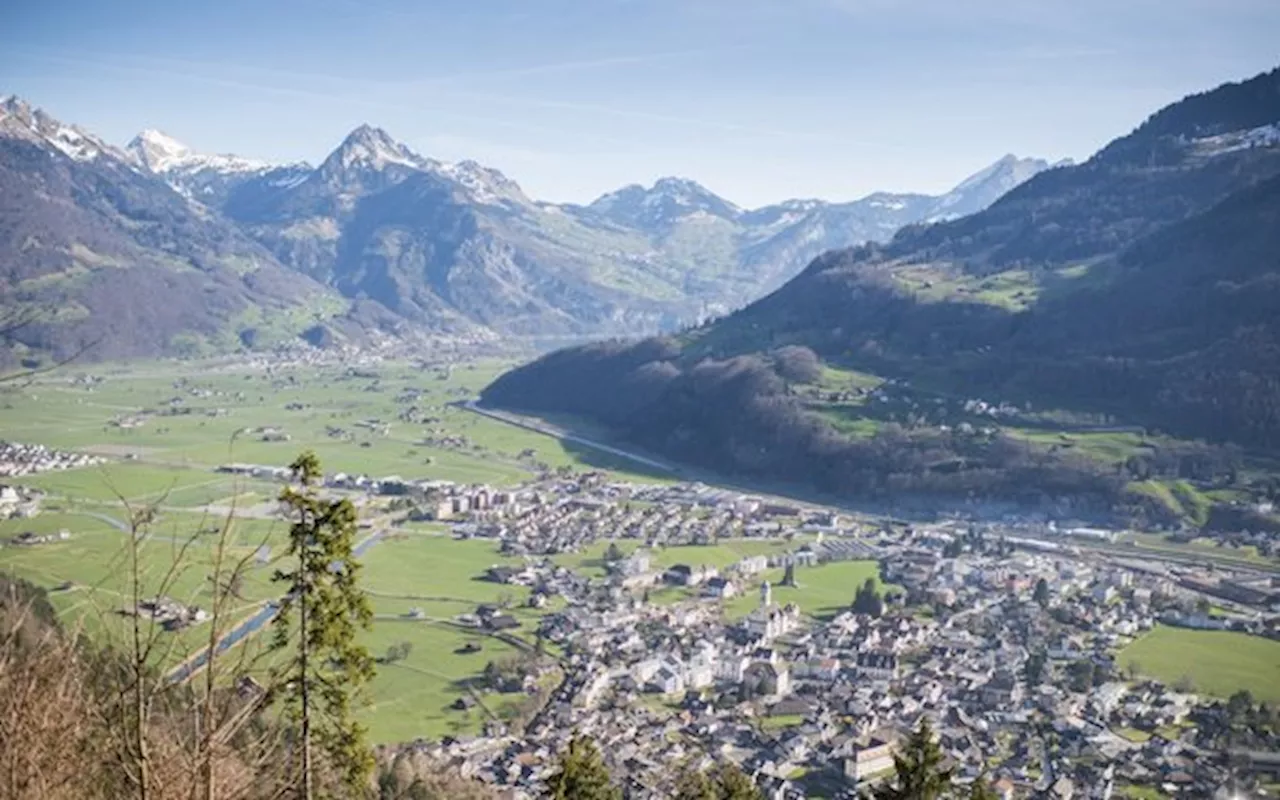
column 695, row 785
column 1041, row 593
column 582, row 774
column 1239, row 704
column 317, row 625
column 734, row 784
column 981, row 789
column 918, row 771
column 867, row 600
column 613, row 553
column 725, row 782
column 1035, row 668
column 1080, row 676
column 789, row 575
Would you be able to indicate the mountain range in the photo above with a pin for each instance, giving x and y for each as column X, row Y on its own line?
column 1141, row 288
column 203, row 252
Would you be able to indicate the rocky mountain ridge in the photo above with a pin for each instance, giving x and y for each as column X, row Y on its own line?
column 459, row 248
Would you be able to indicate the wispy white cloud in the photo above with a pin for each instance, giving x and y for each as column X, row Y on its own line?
column 654, row 116
column 574, row 65
column 393, row 96
column 373, row 96
column 207, row 69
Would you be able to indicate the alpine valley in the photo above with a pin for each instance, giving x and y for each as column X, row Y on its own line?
column 154, row 249
column 1060, row 346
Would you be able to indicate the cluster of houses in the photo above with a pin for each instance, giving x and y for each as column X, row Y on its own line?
column 171, row 614
column 30, row 538
column 19, row 502
column 17, row 459
column 562, row 514
column 657, row 683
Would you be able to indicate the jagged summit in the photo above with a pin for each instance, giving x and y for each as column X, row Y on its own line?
column 161, row 153
column 20, row 119
column 370, row 156
column 369, row 147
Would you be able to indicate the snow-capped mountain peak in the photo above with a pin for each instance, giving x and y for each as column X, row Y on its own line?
column 483, row 184
column 987, row 185
column 684, row 191
column 158, row 150
column 368, row 147
column 162, row 154
column 20, row 119
column 669, row 199
column 800, row 204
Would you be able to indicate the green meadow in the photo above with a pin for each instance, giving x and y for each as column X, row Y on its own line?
column 1217, row 663
column 169, row 465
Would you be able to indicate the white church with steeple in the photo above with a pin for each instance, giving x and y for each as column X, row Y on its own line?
column 767, row 622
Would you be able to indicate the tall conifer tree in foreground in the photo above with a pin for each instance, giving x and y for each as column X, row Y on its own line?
column 918, row 770
column 582, row 774
column 320, row 617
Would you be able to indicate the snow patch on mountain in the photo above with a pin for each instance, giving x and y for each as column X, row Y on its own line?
column 985, row 186
column 1262, row 136
column 482, row 184
column 658, row 208
column 368, row 147
column 21, row 120
column 164, row 154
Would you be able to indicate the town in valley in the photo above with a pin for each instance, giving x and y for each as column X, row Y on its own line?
column 676, row 621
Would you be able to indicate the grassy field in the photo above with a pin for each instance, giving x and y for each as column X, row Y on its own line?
column 1179, row 497
column 418, row 569
column 171, row 465
column 1218, row 663
column 1141, row 793
column 590, row 561
column 1107, row 447
column 175, row 454
column 89, row 575
column 1196, row 547
column 821, row 591
column 411, row 698
column 1013, row 290
column 441, row 577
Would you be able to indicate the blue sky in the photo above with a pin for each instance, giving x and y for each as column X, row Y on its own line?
column 760, row 100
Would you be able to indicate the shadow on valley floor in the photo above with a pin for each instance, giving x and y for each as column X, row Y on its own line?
column 599, row 459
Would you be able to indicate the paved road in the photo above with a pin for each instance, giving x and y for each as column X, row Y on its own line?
column 559, row 433
column 675, row 470
column 546, row 429
column 187, row 669
column 112, row 521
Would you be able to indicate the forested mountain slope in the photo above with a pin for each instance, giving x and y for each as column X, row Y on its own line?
column 1137, row 288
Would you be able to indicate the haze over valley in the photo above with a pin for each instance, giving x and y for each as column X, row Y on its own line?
column 636, row 401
